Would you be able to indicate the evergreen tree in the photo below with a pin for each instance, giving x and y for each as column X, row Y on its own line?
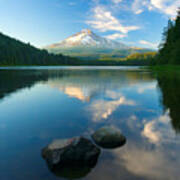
column 169, row 52
column 14, row 52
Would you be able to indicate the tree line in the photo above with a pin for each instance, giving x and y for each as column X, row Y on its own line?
column 133, row 59
column 15, row 52
column 169, row 49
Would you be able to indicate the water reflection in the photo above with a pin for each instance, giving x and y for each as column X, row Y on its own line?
column 48, row 104
column 102, row 109
column 169, row 84
column 157, row 130
column 72, row 173
column 13, row 80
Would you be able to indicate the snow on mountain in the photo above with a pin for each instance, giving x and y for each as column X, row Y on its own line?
column 87, row 38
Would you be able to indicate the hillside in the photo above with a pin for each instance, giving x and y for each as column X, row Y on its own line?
column 14, row 52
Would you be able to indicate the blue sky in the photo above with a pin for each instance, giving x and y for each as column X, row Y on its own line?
column 43, row 22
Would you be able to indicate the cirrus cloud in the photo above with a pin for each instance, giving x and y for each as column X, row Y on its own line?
column 149, row 44
column 168, row 7
column 115, row 36
column 117, row 1
column 103, row 20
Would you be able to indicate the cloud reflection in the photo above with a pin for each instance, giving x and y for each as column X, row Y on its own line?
column 102, row 108
column 158, row 130
column 150, row 163
column 76, row 92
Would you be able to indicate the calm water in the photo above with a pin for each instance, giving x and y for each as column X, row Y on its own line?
column 38, row 105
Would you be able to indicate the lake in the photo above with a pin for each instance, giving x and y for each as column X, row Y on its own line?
column 39, row 104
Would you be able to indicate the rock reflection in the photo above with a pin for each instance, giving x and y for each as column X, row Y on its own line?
column 72, row 172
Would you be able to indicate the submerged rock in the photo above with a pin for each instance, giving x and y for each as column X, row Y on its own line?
column 109, row 137
column 76, row 152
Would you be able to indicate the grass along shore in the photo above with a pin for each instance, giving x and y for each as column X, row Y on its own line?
column 166, row 68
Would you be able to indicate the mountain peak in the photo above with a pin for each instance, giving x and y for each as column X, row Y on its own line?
column 87, row 38
column 87, row 31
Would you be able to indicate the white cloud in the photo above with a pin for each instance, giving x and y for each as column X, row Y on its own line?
column 139, row 11
column 115, row 36
column 158, row 3
column 117, row 1
column 149, row 44
column 139, row 5
column 168, row 7
column 103, row 20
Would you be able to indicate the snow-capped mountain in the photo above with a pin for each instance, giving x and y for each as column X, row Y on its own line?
column 89, row 46
column 86, row 38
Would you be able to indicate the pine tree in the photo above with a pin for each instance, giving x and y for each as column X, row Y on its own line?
column 169, row 52
column 14, row 52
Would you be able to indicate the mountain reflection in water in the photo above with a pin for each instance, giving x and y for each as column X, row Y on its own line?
column 37, row 106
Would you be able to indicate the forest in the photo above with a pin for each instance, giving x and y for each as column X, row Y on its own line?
column 14, row 53
column 169, row 49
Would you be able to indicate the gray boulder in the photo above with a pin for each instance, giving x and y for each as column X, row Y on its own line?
column 77, row 151
column 109, row 137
